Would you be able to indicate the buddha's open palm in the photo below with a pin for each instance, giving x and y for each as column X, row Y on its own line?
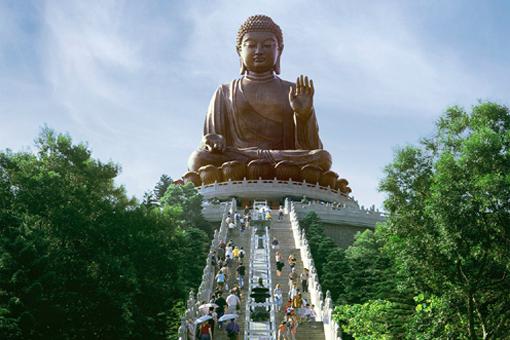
column 301, row 97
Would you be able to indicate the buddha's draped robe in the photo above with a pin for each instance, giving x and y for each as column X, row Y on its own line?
column 248, row 134
column 231, row 115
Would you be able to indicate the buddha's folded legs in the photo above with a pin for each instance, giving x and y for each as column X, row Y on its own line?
column 318, row 157
column 199, row 158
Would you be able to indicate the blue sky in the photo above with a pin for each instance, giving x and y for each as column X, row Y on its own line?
column 134, row 78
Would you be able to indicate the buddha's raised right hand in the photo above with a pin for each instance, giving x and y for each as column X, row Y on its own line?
column 301, row 97
column 213, row 143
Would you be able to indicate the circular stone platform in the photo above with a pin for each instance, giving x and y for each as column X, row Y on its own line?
column 273, row 189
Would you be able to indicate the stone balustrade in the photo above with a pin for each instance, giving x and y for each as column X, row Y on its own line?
column 272, row 189
column 340, row 213
column 323, row 306
column 213, row 212
column 205, row 289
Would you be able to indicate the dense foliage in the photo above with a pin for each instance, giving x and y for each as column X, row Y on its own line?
column 80, row 260
column 161, row 187
column 439, row 267
column 361, row 279
column 449, row 222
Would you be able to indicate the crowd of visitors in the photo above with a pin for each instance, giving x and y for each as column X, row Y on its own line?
column 230, row 271
column 236, row 221
column 228, row 259
column 297, row 308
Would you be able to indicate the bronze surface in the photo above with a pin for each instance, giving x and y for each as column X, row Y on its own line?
column 260, row 116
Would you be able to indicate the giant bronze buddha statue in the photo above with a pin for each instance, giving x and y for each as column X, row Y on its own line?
column 260, row 117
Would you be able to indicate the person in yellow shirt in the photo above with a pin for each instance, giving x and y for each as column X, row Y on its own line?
column 236, row 252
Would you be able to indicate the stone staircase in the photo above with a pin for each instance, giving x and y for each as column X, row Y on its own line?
column 283, row 233
column 241, row 239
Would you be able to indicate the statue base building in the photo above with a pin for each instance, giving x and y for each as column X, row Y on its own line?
column 340, row 213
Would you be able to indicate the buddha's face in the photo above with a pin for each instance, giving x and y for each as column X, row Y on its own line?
column 259, row 51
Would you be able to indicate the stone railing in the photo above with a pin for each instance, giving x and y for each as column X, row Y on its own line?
column 323, row 306
column 260, row 269
column 339, row 213
column 189, row 315
column 214, row 212
column 331, row 328
column 205, row 289
column 272, row 188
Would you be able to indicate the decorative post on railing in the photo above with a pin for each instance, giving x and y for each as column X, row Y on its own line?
column 191, row 299
column 333, row 329
column 287, row 206
column 233, row 207
column 215, row 240
column 183, row 330
column 188, row 314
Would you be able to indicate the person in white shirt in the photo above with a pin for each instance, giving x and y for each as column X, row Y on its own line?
column 305, row 275
column 220, row 279
column 231, row 226
column 232, row 302
column 280, row 213
column 309, row 313
column 229, row 252
column 278, row 298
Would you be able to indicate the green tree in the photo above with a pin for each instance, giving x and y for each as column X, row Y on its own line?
column 445, row 241
column 78, row 258
column 371, row 275
column 162, row 186
column 149, row 200
column 369, row 283
column 321, row 246
column 449, row 217
column 186, row 199
column 435, row 318
column 368, row 321
column 334, row 271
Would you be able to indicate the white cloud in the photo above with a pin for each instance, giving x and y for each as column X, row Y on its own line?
column 87, row 58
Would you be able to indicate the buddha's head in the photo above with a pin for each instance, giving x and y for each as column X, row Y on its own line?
column 259, row 45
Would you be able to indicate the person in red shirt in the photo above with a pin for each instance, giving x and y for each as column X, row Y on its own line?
column 205, row 332
column 282, row 331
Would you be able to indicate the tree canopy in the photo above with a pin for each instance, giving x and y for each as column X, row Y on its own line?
column 79, row 259
column 447, row 234
column 162, row 186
